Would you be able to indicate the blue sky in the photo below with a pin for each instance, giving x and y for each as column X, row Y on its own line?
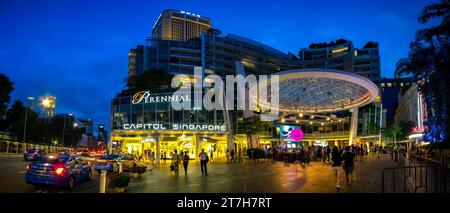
column 77, row 50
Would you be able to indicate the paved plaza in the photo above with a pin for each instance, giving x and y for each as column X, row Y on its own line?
column 261, row 177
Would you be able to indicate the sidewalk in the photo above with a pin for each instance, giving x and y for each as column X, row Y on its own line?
column 250, row 176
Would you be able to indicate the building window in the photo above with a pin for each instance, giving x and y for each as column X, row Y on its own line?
column 389, row 84
column 382, row 84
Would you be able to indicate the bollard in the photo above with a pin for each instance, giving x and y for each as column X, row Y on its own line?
column 102, row 181
column 120, row 166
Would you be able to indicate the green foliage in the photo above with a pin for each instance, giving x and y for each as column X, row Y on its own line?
column 119, row 180
column 138, row 169
column 253, row 125
column 6, row 87
column 429, row 63
column 39, row 131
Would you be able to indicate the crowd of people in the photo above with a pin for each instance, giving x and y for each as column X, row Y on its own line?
column 306, row 154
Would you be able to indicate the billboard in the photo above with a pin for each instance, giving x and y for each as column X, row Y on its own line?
column 290, row 133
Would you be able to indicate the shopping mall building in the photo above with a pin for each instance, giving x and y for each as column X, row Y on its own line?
column 327, row 91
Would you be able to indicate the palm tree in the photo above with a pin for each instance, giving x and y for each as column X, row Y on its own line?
column 429, row 62
column 395, row 129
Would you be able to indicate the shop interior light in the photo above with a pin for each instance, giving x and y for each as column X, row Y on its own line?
column 312, row 116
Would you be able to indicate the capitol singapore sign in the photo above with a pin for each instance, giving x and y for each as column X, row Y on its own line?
column 159, row 126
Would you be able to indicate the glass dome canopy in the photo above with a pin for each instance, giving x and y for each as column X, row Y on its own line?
column 322, row 90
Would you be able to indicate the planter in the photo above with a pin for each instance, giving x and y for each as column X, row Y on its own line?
column 119, row 189
column 135, row 175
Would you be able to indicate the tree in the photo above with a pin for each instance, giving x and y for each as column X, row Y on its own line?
column 373, row 128
column 72, row 135
column 6, row 87
column 395, row 130
column 15, row 120
column 429, row 62
column 252, row 127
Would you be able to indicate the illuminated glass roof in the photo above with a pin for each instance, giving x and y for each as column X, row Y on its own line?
column 322, row 90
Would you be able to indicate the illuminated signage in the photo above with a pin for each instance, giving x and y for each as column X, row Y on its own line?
column 191, row 127
column 291, row 133
column 188, row 13
column 144, row 96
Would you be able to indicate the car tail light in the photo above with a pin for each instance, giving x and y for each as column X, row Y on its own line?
column 59, row 170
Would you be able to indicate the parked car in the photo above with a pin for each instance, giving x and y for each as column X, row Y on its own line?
column 62, row 171
column 110, row 162
column 33, row 155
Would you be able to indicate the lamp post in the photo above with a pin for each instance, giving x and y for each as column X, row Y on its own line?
column 64, row 127
column 30, row 100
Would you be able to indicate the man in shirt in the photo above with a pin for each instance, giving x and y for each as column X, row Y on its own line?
column 348, row 157
column 203, row 160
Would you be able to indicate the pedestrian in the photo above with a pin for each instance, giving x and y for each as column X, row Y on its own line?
column 348, row 157
column 185, row 161
column 328, row 154
column 336, row 165
column 211, row 153
column 232, row 156
column 203, row 160
column 153, row 158
column 150, row 157
column 240, row 155
column 228, row 156
column 175, row 162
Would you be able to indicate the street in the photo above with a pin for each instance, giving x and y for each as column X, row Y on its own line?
column 12, row 179
column 245, row 177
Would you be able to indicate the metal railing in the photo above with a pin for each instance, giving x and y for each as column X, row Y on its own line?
column 13, row 147
column 416, row 175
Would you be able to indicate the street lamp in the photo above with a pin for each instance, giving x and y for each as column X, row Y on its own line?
column 64, row 127
column 30, row 101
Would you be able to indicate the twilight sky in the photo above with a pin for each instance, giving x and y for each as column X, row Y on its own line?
column 77, row 50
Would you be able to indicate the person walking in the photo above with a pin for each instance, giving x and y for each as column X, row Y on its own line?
column 185, row 161
column 336, row 165
column 212, row 155
column 232, row 156
column 175, row 162
column 228, row 156
column 151, row 157
column 348, row 157
column 240, row 155
column 203, row 160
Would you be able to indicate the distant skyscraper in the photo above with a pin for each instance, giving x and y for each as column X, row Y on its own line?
column 135, row 64
column 102, row 134
column 180, row 25
column 48, row 106
column 88, row 125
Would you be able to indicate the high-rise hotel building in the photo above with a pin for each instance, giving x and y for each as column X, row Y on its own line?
column 180, row 26
column 342, row 55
